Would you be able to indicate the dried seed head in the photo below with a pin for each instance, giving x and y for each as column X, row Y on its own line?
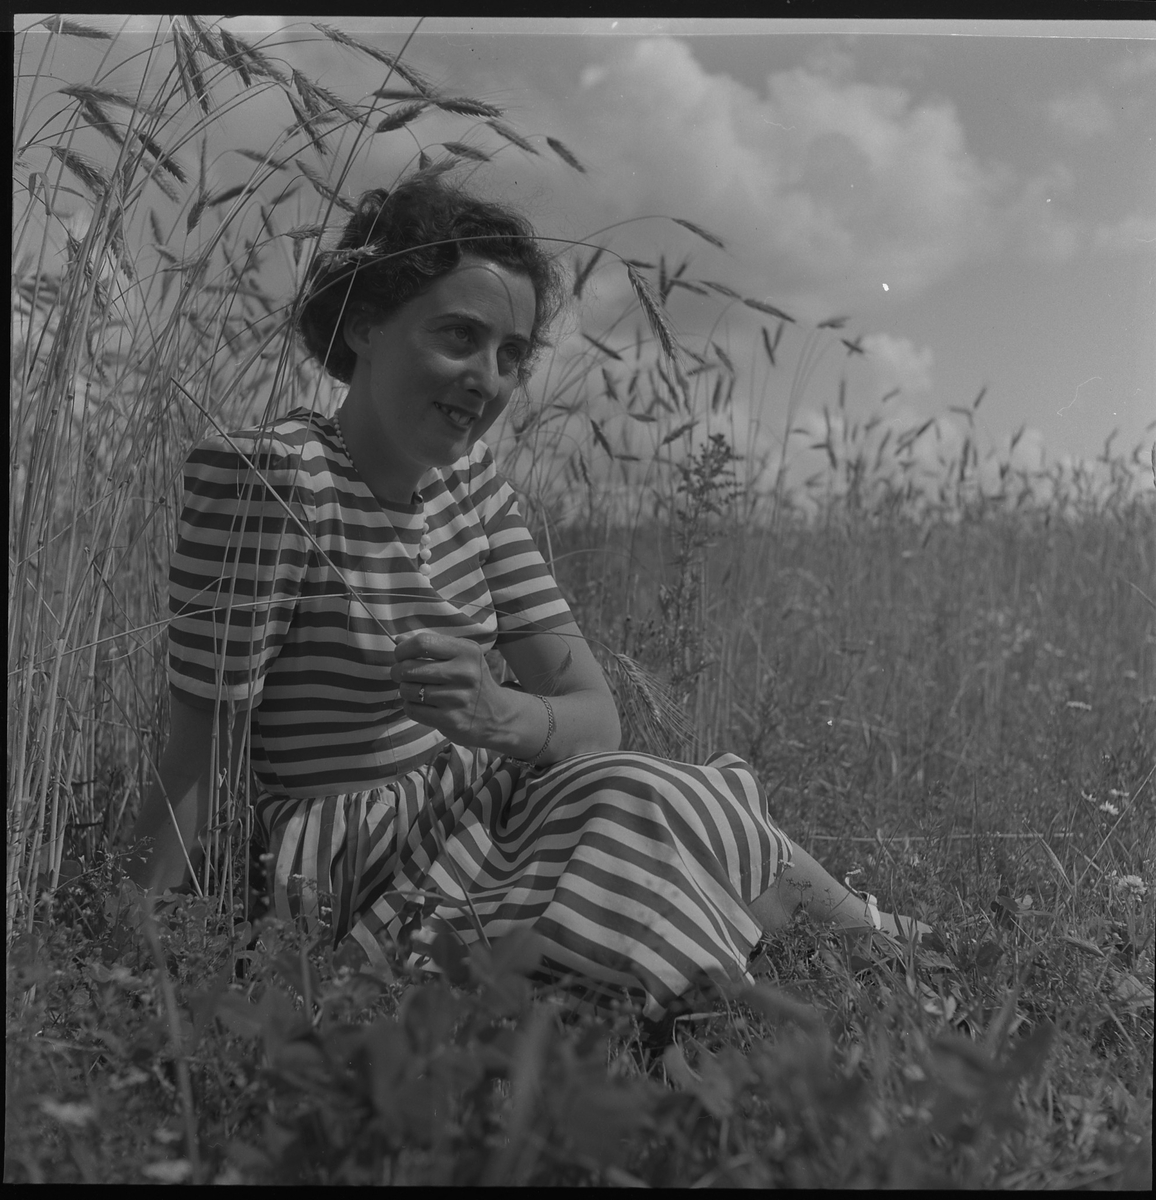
column 87, row 172
column 655, row 316
column 762, row 306
column 189, row 70
column 464, row 106
column 415, row 79
column 462, row 150
column 322, row 188
column 511, row 135
column 647, row 701
column 58, row 24
column 700, row 232
column 401, row 116
column 564, row 154
column 83, row 91
column 722, row 289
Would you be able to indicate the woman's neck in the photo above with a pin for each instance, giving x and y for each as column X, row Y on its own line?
column 388, row 480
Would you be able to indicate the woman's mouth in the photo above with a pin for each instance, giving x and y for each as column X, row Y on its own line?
column 457, row 417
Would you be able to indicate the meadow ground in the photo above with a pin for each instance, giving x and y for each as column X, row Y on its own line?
column 958, row 715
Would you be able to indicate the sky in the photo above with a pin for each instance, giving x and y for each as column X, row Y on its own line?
column 978, row 198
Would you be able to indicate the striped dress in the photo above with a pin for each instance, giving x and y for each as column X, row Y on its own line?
column 288, row 587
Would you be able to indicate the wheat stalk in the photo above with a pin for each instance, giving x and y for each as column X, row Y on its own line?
column 566, row 155
column 96, row 441
column 59, row 24
column 649, row 704
column 655, row 313
column 511, row 135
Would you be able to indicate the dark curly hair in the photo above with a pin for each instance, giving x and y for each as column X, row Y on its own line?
column 397, row 243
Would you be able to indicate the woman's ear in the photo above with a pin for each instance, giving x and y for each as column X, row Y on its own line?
column 357, row 329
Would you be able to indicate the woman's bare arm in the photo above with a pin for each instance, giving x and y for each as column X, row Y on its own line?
column 445, row 683
column 176, row 808
column 562, row 666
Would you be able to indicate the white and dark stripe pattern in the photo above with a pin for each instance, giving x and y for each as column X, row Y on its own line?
column 288, row 586
column 290, row 582
column 634, row 871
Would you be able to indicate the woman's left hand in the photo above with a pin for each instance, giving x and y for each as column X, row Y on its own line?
column 446, row 683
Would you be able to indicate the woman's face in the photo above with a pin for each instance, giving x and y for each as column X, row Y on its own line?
column 436, row 373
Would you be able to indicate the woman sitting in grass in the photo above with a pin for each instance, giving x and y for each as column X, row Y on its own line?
column 336, row 584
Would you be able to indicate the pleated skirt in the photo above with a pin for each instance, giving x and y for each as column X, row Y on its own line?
column 634, row 872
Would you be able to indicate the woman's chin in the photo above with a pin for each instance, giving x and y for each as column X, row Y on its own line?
column 478, row 432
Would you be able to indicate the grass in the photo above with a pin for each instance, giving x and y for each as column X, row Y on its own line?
column 947, row 682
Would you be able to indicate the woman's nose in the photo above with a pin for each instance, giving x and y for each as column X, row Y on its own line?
column 484, row 376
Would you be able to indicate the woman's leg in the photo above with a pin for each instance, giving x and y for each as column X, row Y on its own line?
column 805, row 884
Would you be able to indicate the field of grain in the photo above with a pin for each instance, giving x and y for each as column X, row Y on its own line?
column 948, row 689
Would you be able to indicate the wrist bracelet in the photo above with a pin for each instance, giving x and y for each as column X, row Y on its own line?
column 549, row 732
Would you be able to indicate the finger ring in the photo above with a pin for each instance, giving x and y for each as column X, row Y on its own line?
column 421, row 694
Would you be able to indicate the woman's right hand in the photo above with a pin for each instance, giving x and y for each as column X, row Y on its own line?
column 463, row 700
column 445, row 683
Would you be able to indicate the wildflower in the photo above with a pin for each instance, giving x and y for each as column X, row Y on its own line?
column 1109, row 808
column 71, row 1113
column 1132, row 885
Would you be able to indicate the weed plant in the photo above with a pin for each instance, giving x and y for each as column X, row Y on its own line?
column 946, row 679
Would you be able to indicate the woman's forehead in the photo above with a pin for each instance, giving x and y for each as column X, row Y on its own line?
column 479, row 282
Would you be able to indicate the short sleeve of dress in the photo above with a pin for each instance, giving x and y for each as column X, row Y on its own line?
column 236, row 574
column 524, row 593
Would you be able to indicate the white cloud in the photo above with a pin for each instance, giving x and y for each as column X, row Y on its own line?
column 895, row 362
column 1054, row 237
column 1009, row 467
column 1029, row 451
column 823, row 185
column 1131, row 234
column 1037, row 224
column 1081, row 114
column 1138, row 65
